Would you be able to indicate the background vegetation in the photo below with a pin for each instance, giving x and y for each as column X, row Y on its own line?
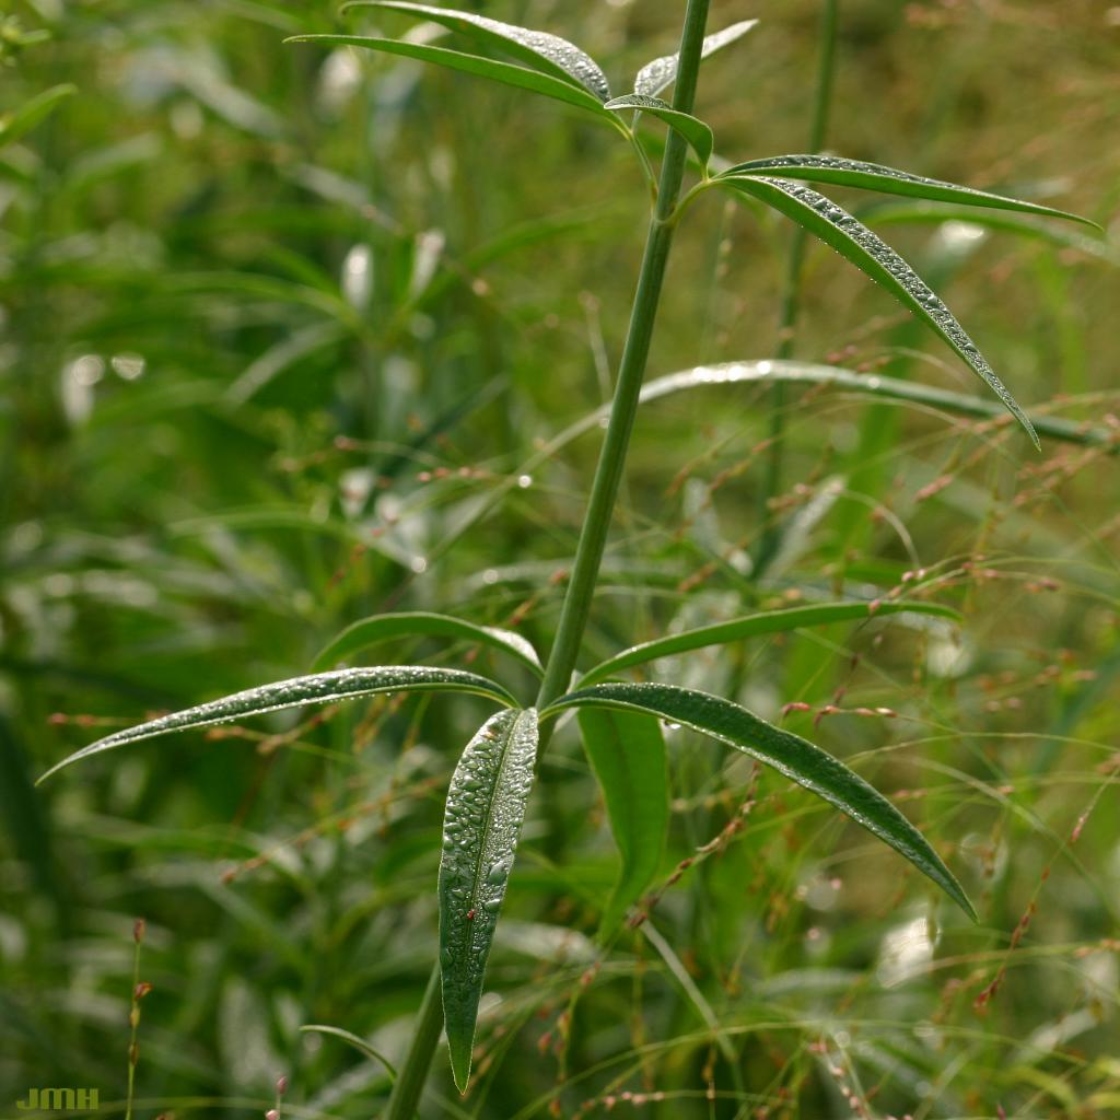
column 288, row 338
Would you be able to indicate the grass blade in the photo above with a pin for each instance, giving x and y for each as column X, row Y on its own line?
column 319, row 688
column 662, row 72
column 870, row 254
column 539, row 49
column 627, row 753
column 888, row 180
column 485, row 808
column 787, row 753
column 750, row 626
column 23, row 119
column 695, row 131
column 379, row 628
column 504, row 72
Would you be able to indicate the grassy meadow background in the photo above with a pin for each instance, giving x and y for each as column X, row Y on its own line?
column 290, row 337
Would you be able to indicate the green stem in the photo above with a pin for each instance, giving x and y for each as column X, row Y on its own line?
column 410, row 1082
column 604, row 490
column 612, row 457
column 791, row 298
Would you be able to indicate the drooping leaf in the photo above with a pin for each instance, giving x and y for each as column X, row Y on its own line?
column 379, row 628
column 627, row 753
column 508, row 74
column 938, row 213
column 485, row 808
column 662, row 72
column 787, row 753
column 750, row 626
column 351, row 1039
column 319, row 688
column 23, row 119
column 541, row 50
column 695, row 131
column 887, row 180
column 870, row 254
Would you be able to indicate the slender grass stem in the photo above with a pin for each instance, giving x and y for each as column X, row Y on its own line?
column 608, row 473
column 791, row 297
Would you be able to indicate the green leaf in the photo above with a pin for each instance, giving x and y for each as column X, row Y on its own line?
column 662, row 72
column 539, row 49
column 873, row 256
column 319, row 688
column 13, row 125
column 485, row 808
column 351, row 1039
column 381, row 627
column 787, row 753
column 694, row 130
column 938, row 213
column 504, row 72
column 887, row 180
column 627, row 753
column 750, row 626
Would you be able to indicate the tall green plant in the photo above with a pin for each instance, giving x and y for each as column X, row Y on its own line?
column 619, row 721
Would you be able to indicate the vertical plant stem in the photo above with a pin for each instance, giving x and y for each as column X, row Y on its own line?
column 791, row 297
column 624, row 408
column 410, row 1081
column 604, row 490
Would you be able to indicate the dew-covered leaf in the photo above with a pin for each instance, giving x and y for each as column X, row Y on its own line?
column 25, row 117
column 485, row 808
column 857, row 244
column 560, row 89
column 627, row 753
column 319, row 688
column 751, row 626
column 787, row 753
column 662, row 72
column 888, row 180
column 694, row 130
column 379, row 628
column 539, row 49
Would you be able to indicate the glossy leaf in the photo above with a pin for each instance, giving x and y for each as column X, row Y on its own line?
column 751, row 626
column 939, row 213
column 23, row 119
column 887, row 180
column 382, row 627
column 695, row 131
column 662, row 72
column 485, row 808
column 519, row 76
column 857, row 244
column 319, row 688
column 539, row 49
column 627, row 753
column 787, row 753
column 873, row 385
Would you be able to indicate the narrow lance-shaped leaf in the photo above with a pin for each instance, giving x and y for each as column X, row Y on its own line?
column 887, row 180
column 485, row 808
column 506, row 73
column 873, row 256
column 751, row 626
column 694, row 130
column 319, row 688
column 23, row 119
column 627, row 753
column 787, row 753
column 662, row 72
column 380, row 628
column 539, row 49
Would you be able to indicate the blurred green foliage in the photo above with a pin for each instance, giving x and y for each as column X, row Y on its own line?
column 281, row 331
